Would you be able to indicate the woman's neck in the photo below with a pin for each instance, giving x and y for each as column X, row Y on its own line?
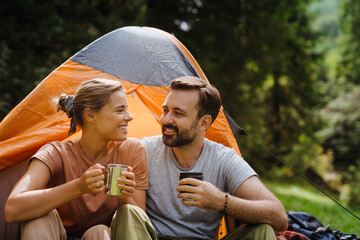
column 95, row 149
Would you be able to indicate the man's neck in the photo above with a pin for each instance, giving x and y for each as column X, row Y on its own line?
column 187, row 155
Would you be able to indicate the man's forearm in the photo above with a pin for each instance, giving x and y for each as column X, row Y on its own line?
column 258, row 211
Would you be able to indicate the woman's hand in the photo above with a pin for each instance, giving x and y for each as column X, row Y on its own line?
column 127, row 184
column 92, row 181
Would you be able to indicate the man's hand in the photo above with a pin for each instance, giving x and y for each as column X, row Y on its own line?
column 200, row 194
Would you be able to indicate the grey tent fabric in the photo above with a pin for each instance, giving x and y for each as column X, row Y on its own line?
column 124, row 51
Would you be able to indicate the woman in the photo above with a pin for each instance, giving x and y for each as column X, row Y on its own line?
column 63, row 193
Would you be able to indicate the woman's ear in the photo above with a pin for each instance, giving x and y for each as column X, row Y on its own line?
column 205, row 122
column 89, row 115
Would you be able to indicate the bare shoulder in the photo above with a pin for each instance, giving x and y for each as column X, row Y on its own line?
column 36, row 177
column 42, row 172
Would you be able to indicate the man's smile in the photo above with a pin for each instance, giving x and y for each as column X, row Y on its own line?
column 169, row 129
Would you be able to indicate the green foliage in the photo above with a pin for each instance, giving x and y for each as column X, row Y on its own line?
column 306, row 154
column 343, row 129
column 349, row 69
column 341, row 114
column 36, row 37
column 352, row 177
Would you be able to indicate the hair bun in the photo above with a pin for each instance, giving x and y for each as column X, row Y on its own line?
column 66, row 104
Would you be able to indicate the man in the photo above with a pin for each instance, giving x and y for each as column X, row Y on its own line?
column 190, row 208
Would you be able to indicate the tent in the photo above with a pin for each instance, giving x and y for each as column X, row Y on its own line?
column 144, row 59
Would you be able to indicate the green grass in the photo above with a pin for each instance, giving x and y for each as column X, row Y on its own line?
column 305, row 198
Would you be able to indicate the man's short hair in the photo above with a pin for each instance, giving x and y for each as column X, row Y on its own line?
column 209, row 97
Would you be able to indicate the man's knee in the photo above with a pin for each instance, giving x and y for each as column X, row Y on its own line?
column 252, row 231
column 264, row 227
column 260, row 231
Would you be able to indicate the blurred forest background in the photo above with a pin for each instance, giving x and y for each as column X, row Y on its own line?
column 288, row 71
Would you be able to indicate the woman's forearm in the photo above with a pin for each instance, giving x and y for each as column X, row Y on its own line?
column 36, row 203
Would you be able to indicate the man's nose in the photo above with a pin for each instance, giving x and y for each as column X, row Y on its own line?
column 166, row 118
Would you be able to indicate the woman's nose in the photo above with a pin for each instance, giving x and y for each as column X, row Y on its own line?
column 128, row 117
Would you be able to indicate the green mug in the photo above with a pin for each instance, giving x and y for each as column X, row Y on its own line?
column 112, row 172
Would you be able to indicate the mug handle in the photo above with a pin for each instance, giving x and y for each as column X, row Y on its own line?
column 106, row 173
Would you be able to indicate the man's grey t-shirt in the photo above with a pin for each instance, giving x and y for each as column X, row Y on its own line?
column 220, row 165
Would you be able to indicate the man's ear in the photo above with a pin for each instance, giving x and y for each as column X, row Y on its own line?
column 89, row 115
column 205, row 122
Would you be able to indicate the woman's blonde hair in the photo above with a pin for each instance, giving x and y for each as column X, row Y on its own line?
column 93, row 94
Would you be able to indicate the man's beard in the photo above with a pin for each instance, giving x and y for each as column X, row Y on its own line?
column 180, row 138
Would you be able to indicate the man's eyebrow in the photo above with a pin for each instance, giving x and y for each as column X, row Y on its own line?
column 180, row 109
column 176, row 108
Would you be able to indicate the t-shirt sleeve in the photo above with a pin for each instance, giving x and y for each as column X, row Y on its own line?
column 138, row 161
column 237, row 171
column 49, row 155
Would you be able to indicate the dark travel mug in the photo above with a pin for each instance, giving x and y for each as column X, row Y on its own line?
column 196, row 175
